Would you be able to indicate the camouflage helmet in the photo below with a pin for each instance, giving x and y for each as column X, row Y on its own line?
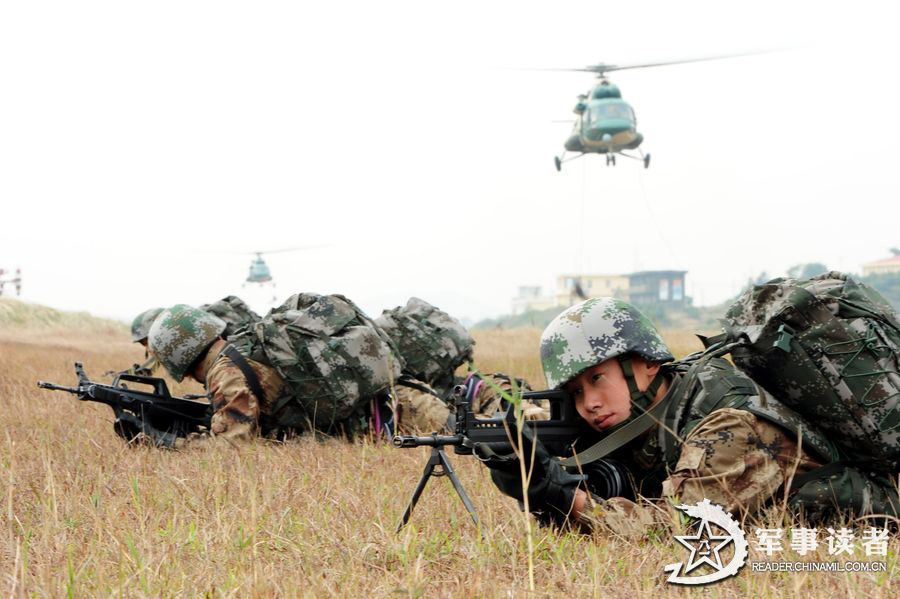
column 594, row 331
column 180, row 335
column 140, row 326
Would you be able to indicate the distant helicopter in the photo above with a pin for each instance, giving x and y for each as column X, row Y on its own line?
column 259, row 270
column 260, row 274
column 605, row 123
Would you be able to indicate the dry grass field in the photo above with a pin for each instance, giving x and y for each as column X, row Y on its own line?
column 85, row 516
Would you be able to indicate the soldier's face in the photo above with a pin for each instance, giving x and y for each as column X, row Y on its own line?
column 601, row 392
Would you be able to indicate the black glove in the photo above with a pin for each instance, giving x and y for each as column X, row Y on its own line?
column 551, row 489
column 127, row 425
column 130, row 427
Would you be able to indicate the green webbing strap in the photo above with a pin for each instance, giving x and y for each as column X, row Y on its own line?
column 249, row 374
column 708, row 342
column 618, row 438
column 641, row 399
column 826, row 471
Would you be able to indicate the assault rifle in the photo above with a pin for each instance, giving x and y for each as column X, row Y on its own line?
column 156, row 413
column 557, row 434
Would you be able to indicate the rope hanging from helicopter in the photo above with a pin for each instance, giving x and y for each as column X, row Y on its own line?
column 648, row 207
column 659, row 231
column 582, row 227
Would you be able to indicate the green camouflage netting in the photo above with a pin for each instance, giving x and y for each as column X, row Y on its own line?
column 234, row 311
column 828, row 347
column 432, row 343
column 332, row 357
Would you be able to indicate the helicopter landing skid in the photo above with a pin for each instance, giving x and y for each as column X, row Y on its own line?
column 558, row 160
column 645, row 158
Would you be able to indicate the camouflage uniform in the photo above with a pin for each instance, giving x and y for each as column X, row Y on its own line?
column 731, row 456
column 418, row 410
column 718, row 436
column 433, row 345
column 239, row 415
column 189, row 341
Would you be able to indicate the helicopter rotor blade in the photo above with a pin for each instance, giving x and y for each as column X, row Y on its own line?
column 291, row 249
column 603, row 68
column 276, row 251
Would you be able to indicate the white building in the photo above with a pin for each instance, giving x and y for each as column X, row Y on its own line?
column 530, row 299
column 885, row 266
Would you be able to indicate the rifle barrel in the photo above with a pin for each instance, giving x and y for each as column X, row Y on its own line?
column 430, row 441
column 55, row 387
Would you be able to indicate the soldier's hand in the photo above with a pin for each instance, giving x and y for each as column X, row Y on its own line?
column 551, row 490
column 127, row 425
column 135, row 430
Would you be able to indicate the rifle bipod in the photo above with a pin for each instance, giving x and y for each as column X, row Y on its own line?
column 438, row 458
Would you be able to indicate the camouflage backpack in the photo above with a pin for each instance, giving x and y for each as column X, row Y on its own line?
column 332, row 357
column 829, row 348
column 234, row 311
column 432, row 343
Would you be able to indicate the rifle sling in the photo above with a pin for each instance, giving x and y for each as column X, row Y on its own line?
column 404, row 381
column 617, row 439
column 249, row 374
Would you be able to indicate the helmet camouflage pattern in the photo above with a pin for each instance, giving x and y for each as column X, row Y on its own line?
column 180, row 335
column 140, row 326
column 593, row 331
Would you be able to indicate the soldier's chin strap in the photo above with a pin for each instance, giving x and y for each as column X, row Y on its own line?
column 634, row 426
column 642, row 399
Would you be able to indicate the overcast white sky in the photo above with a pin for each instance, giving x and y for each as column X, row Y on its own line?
column 144, row 144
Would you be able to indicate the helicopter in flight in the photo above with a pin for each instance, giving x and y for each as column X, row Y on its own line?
column 259, row 270
column 260, row 275
column 605, row 123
